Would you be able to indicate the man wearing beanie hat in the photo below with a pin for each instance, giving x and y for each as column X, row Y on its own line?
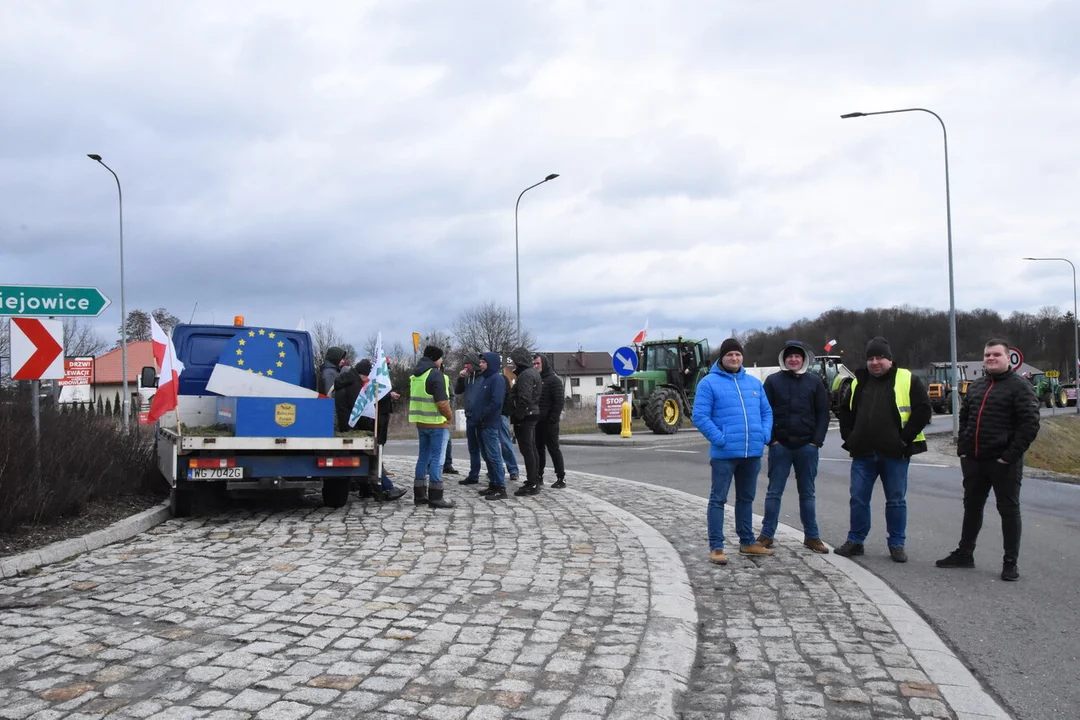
column 732, row 412
column 800, row 405
column 429, row 408
column 881, row 422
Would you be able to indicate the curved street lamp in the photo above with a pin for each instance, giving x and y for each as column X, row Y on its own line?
column 1076, row 329
column 125, row 399
column 955, row 385
column 517, row 264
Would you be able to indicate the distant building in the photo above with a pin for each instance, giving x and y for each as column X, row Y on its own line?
column 584, row 374
column 108, row 375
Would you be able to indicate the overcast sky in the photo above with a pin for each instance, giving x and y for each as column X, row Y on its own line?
column 359, row 161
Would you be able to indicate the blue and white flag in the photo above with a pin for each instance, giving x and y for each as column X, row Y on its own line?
column 375, row 389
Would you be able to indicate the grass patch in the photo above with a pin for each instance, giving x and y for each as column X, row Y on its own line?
column 1058, row 446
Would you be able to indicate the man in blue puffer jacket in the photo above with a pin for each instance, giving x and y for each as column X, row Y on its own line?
column 485, row 407
column 800, row 406
column 732, row 412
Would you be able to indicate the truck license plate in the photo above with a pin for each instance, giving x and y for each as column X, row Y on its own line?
column 232, row 473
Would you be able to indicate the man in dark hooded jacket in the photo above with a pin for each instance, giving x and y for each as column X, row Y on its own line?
column 524, row 412
column 346, row 389
column 330, row 369
column 800, row 405
column 484, row 406
column 547, row 426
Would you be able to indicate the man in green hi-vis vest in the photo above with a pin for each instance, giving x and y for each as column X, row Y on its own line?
column 429, row 408
column 881, row 422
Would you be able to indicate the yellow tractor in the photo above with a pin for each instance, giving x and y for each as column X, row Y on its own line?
column 939, row 385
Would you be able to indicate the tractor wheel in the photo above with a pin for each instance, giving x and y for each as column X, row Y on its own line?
column 663, row 412
column 939, row 408
column 1048, row 399
column 610, row 428
column 1060, row 399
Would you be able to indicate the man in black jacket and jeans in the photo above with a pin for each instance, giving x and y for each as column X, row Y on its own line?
column 552, row 398
column 524, row 412
column 999, row 419
column 800, row 405
column 881, row 423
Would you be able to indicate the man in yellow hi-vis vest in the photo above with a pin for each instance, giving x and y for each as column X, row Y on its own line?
column 429, row 408
column 881, row 422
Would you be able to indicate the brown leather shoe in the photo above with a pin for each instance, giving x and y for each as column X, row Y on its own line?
column 755, row 549
column 765, row 542
column 717, row 557
column 816, row 545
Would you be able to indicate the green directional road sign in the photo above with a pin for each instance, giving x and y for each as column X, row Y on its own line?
column 41, row 301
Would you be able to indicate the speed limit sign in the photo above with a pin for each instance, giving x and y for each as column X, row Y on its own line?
column 1016, row 358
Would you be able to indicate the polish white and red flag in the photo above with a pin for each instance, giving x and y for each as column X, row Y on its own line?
column 167, row 395
column 830, row 345
column 640, row 337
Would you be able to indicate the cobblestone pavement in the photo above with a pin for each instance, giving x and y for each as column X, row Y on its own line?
column 573, row 604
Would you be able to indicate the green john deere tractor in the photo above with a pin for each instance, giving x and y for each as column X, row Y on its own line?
column 1048, row 388
column 664, row 384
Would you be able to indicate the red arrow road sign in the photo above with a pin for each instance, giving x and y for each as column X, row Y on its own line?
column 44, row 349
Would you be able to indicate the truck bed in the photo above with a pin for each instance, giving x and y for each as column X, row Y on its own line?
column 189, row 443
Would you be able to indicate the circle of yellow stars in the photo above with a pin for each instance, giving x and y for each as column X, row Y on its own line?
column 240, row 351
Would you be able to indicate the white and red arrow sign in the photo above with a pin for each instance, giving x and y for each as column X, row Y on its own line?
column 37, row 349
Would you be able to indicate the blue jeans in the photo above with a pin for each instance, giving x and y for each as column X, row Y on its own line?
column 474, row 439
column 893, row 473
column 492, row 445
column 429, row 462
column 781, row 459
column 745, row 472
column 508, row 447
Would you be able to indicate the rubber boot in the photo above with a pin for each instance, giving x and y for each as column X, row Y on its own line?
column 435, row 498
column 420, row 496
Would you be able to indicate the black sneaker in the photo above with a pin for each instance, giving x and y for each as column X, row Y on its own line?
column 513, row 477
column 850, row 549
column 499, row 493
column 492, row 487
column 392, row 494
column 469, row 480
column 525, row 489
column 560, row 483
column 957, row 559
column 449, row 470
column 1009, row 573
column 898, row 553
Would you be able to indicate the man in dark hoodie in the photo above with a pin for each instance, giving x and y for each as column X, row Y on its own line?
column 429, row 408
column 552, row 399
column 484, row 405
column 881, row 422
column 524, row 412
column 800, row 405
column 467, row 384
column 346, row 389
column 330, row 369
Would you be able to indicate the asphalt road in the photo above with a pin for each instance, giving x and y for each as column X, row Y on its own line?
column 1022, row 639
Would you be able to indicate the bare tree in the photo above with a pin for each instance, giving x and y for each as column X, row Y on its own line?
column 81, row 339
column 490, row 327
column 324, row 337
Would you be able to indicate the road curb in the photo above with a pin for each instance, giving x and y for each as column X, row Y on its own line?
column 639, row 440
column 662, row 667
column 961, row 690
column 124, row 529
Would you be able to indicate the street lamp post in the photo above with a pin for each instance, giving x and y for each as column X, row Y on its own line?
column 517, row 264
column 125, row 398
column 1076, row 329
column 955, row 384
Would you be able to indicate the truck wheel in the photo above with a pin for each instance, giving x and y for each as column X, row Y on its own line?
column 335, row 491
column 610, row 428
column 181, row 500
column 663, row 412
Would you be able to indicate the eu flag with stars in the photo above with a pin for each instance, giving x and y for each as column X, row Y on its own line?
column 263, row 352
